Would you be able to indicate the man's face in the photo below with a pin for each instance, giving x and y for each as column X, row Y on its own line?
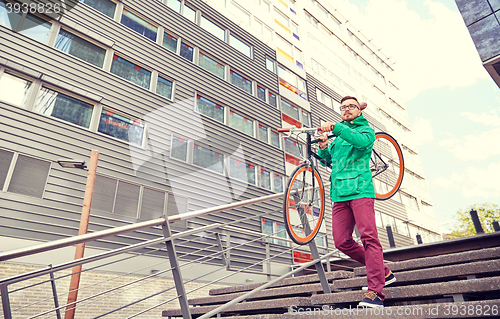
column 348, row 114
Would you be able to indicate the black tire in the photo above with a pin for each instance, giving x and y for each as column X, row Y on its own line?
column 303, row 220
column 387, row 166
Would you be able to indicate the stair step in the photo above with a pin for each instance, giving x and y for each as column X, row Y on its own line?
column 413, row 292
column 479, row 268
column 247, row 307
column 448, row 259
column 466, row 309
column 281, row 292
column 300, row 280
column 422, row 275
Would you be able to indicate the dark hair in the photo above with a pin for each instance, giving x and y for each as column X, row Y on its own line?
column 349, row 98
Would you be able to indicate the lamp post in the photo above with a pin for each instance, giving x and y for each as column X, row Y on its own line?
column 84, row 224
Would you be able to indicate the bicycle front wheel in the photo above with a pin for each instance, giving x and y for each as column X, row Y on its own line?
column 387, row 166
column 304, row 204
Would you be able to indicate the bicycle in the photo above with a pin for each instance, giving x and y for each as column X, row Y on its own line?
column 304, row 200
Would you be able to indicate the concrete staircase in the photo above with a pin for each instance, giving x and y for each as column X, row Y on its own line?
column 456, row 285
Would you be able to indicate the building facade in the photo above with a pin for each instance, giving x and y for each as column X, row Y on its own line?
column 482, row 20
column 183, row 100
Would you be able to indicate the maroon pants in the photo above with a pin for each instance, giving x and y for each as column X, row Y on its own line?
column 362, row 213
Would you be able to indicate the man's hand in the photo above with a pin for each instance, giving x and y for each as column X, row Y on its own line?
column 327, row 127
column 324, row 141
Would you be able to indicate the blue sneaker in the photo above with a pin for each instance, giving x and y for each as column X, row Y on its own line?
column 389, row 278
column 371, row 300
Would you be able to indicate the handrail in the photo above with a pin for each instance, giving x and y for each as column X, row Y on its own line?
column 15, row 253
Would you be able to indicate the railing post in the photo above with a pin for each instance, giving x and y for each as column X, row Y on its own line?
column 419, row 239
column 228, row 251
column 5, row 301
column 313, row 248
column 54, row 293
column 268, row 258
column 319, row 268
column 221, row 247
column 176, row 271
column 477, row 223
column 495, row 225
column 392, row 244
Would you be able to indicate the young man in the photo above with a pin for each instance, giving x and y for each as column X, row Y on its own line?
column 353, row 195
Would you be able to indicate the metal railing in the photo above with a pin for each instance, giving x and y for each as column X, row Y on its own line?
column 215, row 254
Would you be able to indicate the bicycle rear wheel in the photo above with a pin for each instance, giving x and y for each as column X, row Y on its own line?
column 387, row 166
column 303, row 204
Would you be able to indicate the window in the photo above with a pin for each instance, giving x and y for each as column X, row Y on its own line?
column 275, row 139
column 211, row 65
column 127, row 199
column 207, row 158
column 31, row 26
column 139, row 25
column 131, row 72
column 241, row 123
column 261, row 93
column 427, row 208
column 265, row 179
column 268, row 229
column 80, row 48
column 29, row 176
column 175, row 5
column 282, row 19
column 5, row 162
column 292, row 82
column 378, row 219
column 278, row 183
column 275, row 229
column 189, row 13
column 179, row 148
column 104, row 193
column 164, row 87
column 64, row 107
column 241, row 82
column 121, row 127
column 289, row 110
column 186, row 51
column 14, row 90
column 402, row 228
column 295, row 30
column 209, row 108
column 240, row 46
column 272, row 99
column 212, row 28
column 241, row 170
column 270, row 64
column 263, row 133
column 152, row 204
column 170, row 42
column 293, row 147
column 116, row 196
column 104, row 6
column 240, row 13
column 305, row 118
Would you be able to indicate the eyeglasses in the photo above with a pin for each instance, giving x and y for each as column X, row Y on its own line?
column 351, row 107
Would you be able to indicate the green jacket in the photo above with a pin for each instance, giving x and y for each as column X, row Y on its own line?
column 350, row 155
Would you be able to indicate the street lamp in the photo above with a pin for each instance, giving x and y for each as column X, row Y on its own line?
column 72, row 164
column 84, row 224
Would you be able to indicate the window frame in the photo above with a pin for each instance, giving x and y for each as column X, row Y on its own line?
column 129, row 117
column 85, row 38
column 93, row 120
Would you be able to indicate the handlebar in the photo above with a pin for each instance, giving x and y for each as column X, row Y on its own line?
column 302, row 130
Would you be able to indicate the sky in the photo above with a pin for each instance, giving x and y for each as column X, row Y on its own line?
column 452, row 102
